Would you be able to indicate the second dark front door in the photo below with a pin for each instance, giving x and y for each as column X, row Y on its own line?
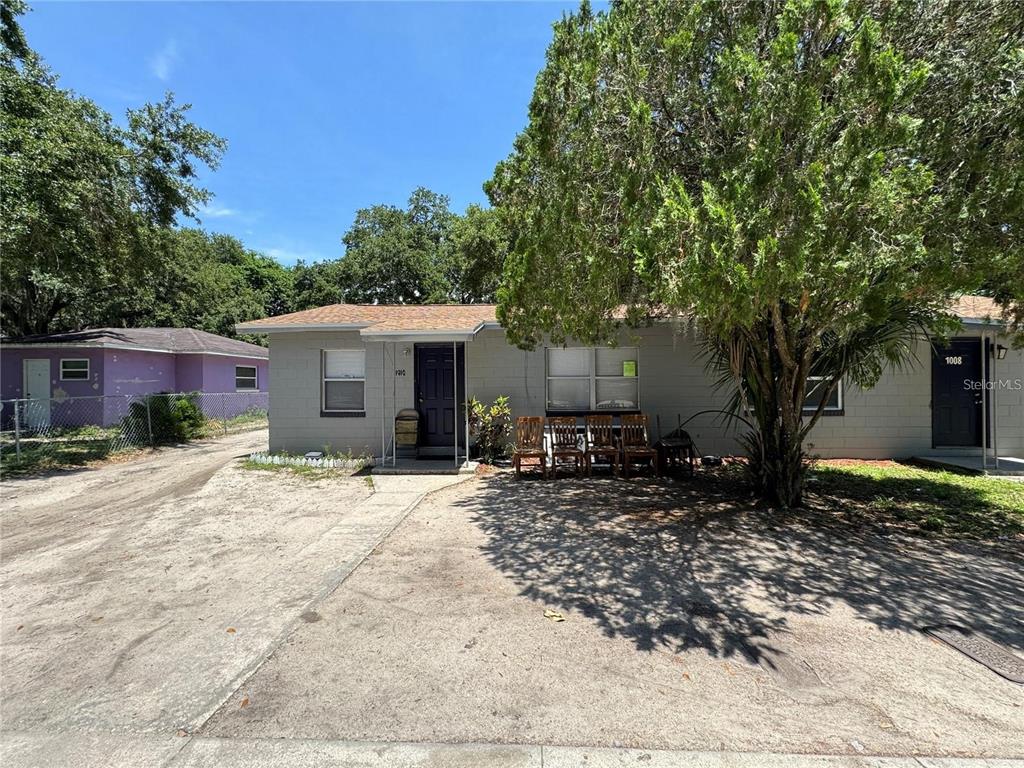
column 436, row 394
column 956, row 393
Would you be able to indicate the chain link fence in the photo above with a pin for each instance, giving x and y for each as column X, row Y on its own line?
column 38, row 434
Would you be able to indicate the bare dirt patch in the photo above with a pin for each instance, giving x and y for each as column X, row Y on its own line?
column 888, row 463
column 134, row 597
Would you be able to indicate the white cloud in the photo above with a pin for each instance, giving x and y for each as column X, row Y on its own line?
column 217, row 211
column 163, row 61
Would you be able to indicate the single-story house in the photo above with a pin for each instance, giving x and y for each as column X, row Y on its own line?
column 343, row 373
column 88, row 377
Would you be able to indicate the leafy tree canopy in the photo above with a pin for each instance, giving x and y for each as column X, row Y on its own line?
column 423, row 253
column 82, row 195
column 201, row 280
column 810, row 180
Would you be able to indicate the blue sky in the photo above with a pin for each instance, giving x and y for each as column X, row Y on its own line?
column 327, row 107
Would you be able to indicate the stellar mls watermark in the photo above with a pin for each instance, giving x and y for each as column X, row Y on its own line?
column 1003, row 385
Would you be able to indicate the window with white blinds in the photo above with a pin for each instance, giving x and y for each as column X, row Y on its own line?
column 592, row 379
column 344, row 380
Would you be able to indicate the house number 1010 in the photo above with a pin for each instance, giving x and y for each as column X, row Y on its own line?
column 399, row 371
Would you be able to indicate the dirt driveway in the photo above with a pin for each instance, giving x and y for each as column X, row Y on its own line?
column 136, row 597
column 730, row 629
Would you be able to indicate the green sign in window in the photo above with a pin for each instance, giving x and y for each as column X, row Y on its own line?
column 629, row 367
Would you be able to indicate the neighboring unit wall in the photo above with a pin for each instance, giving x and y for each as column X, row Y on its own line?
column 222, row 400
column 77, row 402
column 131, row 373
column 673, row 383
column 188, row 372
column 12, row 366
column 894, row 418
column 1008, row 374
column 219, row 372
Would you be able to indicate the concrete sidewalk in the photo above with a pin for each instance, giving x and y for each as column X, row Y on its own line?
column 32, row 750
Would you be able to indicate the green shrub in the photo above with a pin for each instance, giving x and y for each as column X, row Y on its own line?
column 491, row 425
column 176, row 419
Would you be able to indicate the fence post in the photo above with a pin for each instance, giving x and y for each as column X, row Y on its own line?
column 149, row 422
column 17, row 431
column 224, row 411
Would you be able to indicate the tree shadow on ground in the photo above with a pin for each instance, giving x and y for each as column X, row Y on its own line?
column 696, row 565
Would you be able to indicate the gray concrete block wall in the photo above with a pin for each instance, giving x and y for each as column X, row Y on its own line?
column 892, row 420
column 1009, row 401
column 497, row 368
column 295, row 379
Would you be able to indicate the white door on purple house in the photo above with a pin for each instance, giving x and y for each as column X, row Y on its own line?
column 36, row 389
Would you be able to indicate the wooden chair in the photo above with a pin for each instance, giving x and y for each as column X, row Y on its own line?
column 635, row 443
column 565, row 443
column 530, row 443
column 601, row 442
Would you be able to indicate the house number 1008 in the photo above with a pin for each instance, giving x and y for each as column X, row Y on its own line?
column 958, row 360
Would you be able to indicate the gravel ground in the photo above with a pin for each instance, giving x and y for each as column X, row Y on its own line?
column 690, row 623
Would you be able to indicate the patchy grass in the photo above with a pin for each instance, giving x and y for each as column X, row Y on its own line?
column 252, row 419
column 918, row 500
column 309, row 473
column 41, row 457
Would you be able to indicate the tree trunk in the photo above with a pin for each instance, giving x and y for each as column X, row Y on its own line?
column 780, row 469
column 778, row 366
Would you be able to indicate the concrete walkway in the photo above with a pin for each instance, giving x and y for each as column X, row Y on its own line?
column 28, row 750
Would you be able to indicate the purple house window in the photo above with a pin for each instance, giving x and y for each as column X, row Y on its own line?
column 74, row 370
column 245, row 378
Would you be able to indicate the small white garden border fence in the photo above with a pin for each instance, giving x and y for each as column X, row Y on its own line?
column 323, row 462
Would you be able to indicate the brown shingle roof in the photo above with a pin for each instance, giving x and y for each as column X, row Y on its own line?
column 466, row 318
column 383, row 317
column 976, row 308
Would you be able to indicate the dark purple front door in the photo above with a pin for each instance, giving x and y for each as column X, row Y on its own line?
column 956, row 393
column 438, row 399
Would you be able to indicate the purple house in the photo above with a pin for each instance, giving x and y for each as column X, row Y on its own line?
column 90, row 377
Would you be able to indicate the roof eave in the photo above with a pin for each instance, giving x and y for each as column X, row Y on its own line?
column 986, row 321
column 431, row 334
column 295, row 327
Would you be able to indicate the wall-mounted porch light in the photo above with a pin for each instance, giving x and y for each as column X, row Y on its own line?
column 1000, row 352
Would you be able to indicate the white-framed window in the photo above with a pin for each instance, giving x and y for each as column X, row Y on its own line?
column 816, row 390
column 343, row 387
column 592, row 379
column 245, row 377
column 74, row 369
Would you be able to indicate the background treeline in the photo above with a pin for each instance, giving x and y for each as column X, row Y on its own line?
column 92, row 213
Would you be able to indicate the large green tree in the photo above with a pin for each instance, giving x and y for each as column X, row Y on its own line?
column 198, row 280
column 811, row 181
column 479, row 246
column 423, row 253
column 83, row 198
column 395, row 255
